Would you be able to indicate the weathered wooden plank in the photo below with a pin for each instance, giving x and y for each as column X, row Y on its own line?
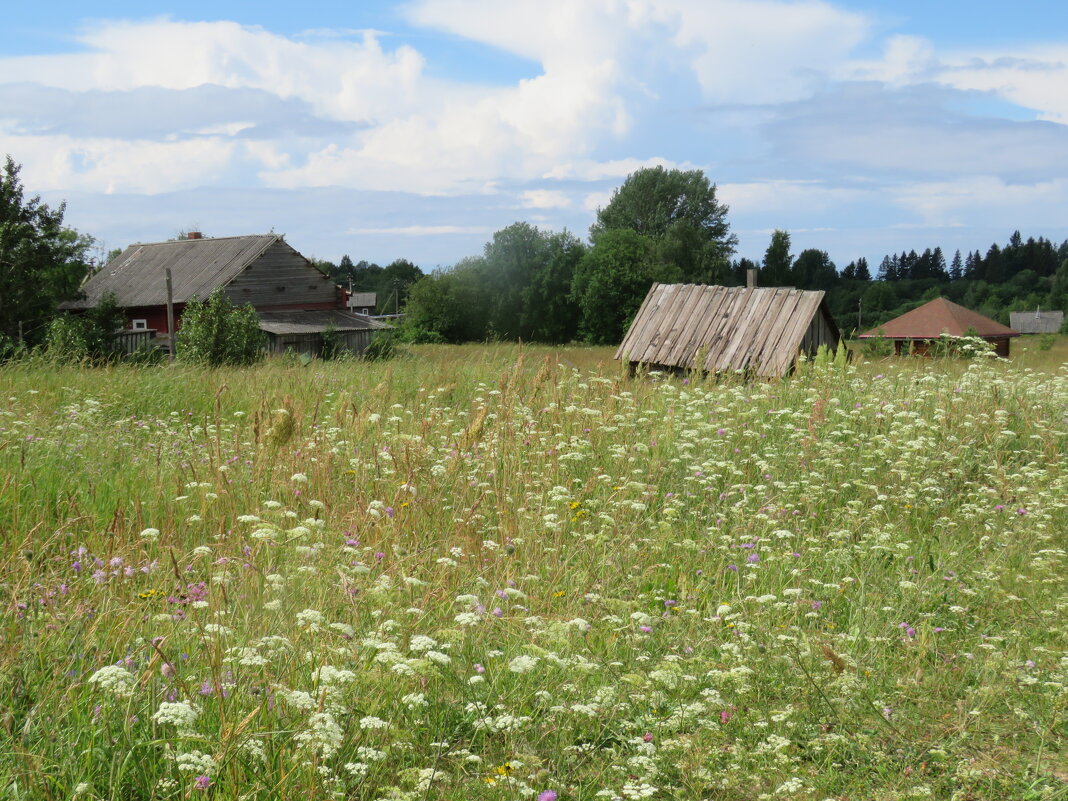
column 633, row 340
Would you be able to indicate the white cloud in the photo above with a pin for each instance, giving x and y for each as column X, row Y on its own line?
column 423, row 230
column 545, row 199
column 785, row 196
column 968, row 200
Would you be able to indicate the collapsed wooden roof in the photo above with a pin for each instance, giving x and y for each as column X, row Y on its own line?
column 733, row 328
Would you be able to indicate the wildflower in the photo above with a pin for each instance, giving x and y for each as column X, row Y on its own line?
column 523, row 664
column 182, row 715
column 547, row 795
column 114, row 679
column 147, row 594
column 150, row 534
column 202, row 782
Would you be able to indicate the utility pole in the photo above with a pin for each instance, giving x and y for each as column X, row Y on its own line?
column 170, row 314
column 860, row 304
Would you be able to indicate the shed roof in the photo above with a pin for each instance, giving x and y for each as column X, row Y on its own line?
column 735, row 328
column 1036, row 322
column 363, row 299
column 933, row 318
column 315, row 322
column 137, row 276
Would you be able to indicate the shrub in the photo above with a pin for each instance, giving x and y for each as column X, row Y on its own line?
column 1045, row 342
column 216, row 333
column 88, row 337
column 384, row 345
column 877, row 347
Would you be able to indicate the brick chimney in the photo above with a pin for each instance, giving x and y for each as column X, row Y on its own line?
column 750, row 278
column 194, row 235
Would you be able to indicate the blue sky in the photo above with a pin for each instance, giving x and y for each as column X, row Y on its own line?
column 387, row 130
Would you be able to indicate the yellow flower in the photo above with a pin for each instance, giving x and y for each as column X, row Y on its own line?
column 576, row 504
column 505, row 769
column 149, row 594
column 559, row 594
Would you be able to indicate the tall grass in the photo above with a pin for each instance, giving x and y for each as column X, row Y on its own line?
column 516, row 572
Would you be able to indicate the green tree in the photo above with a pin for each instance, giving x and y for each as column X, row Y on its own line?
column 446, row 306
column 777, row 269
column 678, row 212
column 550, row 313
column 42, row 263
column 815, row 270
column 612, row 280
column 393, row 283
column 215, row 333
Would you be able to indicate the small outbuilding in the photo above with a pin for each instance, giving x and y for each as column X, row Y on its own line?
column 756, row 330
column 1036, row 322
column 303, row 331
column 914, row 331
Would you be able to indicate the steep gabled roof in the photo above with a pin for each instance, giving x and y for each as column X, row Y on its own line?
column 137, row 276
column 732, row 328
column 937, row 316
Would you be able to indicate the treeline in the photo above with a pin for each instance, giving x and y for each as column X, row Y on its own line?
column 390, row 283
column 667, row 226
column 660, row 225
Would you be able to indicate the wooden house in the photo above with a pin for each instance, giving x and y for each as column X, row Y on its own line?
column 914, row 331
column 262, row 270
column 761, row 331
column 1036, row 322
column 365, row 303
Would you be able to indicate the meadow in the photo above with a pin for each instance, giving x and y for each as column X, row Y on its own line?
column 504, row 572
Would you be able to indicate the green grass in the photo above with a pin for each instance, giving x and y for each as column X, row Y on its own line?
column 493, row 572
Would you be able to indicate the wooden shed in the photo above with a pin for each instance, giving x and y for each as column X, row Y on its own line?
column 914, row 331
column 756, row 330
column 302, row 331
column 1036, row 322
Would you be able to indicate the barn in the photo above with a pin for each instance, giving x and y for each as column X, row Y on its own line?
column 295, row 300
column 1036, row 322
column 755, row 330
column 914, row 331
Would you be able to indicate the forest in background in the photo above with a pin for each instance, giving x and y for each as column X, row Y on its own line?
column 668, row 226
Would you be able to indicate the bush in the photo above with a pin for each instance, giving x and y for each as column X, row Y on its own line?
column 384, row 345
column 216, row 333
column 1045, row 342
column 878, row 347
column 88, row 337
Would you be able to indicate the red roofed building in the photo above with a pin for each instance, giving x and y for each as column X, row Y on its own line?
column 914, row 330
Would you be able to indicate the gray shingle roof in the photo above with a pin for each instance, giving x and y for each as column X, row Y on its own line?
column 198, row 266
column 1037, row 322
column 315, row 322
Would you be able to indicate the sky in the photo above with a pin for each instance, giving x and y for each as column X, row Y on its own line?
column 416, row 129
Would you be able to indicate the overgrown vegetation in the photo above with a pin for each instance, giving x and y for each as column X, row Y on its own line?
column 511, row 573
column 216, row 333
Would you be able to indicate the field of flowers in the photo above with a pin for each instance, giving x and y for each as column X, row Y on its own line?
column 517, row 573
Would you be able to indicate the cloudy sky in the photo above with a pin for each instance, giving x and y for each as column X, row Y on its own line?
column 386, row 130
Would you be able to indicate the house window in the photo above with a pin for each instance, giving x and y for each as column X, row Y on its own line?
column 364, row 311
column 139, row 325
column 280, row 289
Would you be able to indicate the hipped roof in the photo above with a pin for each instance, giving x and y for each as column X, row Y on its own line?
column 931, row 319
column 735, row 328
column 316, row 321
column 137, row 276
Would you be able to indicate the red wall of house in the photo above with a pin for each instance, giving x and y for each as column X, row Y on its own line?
column 156, row 316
